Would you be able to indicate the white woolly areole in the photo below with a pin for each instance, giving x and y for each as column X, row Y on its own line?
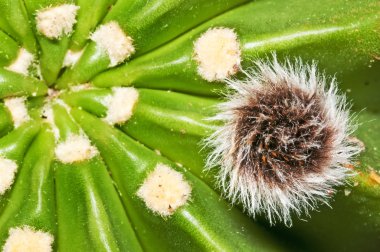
column 22, row 63
column 217, row 52
column 71, row 58
column 112, row 39
column 48, row 115
column 164, row 190
column 27, row 239
column 120, row 104
column 76, row 148
column 54, row 22
column 77, row 88
column 298, row 195
column 18, row 110
column 8, row 170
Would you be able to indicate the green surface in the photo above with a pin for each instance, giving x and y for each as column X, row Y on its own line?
column 92, row 205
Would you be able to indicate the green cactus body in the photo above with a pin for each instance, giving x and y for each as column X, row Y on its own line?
column 89, row 15
column 295, row 30
column 13, row 84
column 178, row 118
column 9, row 49
column 15, row 23
column 105, row 106
column 147, row 23
column 32, row 202
column 6, row 123
column 13, row 147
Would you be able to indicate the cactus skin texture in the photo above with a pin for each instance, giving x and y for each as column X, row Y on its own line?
column 92, row 128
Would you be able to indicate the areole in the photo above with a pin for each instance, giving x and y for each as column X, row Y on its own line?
column 169, row 125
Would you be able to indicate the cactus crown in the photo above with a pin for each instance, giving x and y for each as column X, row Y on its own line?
column 284, row 143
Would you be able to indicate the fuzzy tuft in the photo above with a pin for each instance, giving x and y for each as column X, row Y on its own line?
column 8, row 169
column 164, row 190
column 113, row 41
column 217, row 53
column 284, row 143
column 22, row 63
column 18, row 109
column 71, row 58
column 27, row 239
column 120, row 104
column 75, row 148
column 55, row 22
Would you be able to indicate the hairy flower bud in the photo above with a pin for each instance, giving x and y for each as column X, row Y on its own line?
column 283, row 145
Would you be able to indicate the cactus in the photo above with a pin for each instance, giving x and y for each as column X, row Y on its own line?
column 135, row 125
